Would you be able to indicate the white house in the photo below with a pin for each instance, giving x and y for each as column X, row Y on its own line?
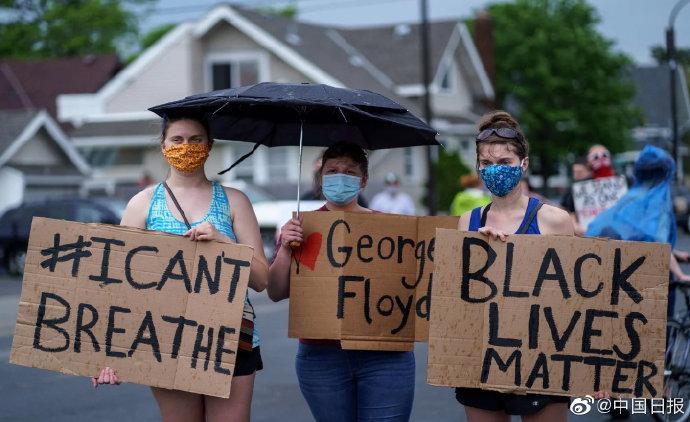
column 36, row 159
column 233, row 46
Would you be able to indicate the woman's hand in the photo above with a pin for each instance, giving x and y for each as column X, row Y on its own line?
column 681, row 256
column 602, row 394
column 494, row 233
column 107, row 376
column 206, row 231
column 291, row 232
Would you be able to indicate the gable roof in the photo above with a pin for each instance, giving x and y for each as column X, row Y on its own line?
column 17, row 127
column 653, row 92
column 331, row 55
column 35, row 84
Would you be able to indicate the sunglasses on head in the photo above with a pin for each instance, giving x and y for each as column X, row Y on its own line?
column 599, row 155
column 501, row 132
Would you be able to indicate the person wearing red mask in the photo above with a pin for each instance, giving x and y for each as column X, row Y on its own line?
column 599, row 161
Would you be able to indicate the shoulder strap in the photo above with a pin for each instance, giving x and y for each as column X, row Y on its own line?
column 530, row 217
column 482, row 222
column 177, row 204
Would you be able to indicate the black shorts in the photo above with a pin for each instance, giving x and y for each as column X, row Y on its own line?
column 248, row 362
column 512, row 404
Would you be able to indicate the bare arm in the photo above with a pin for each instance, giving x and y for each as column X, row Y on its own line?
column 464, row 222
column 554, row 220
column 279, row 273
column 247, row 231
column 137, row 209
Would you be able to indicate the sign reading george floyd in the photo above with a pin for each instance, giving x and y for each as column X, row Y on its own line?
column 549, row 315
column 364, row 279
column 158, row 308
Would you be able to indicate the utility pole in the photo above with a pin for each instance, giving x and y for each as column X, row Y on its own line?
column 428, row 115
column 673, row 70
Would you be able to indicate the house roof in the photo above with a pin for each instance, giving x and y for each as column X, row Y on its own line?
column 395, row 48
column 653, row 95
column 12, row 124
column 17, row 127
column 35, row 84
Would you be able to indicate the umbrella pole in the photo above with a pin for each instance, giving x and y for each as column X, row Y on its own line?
column 294, row 243
column 299, row 172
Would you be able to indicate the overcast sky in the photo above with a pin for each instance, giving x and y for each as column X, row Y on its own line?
column 634, row 25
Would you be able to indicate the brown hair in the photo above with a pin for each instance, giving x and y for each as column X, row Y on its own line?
column 350, row 150
column 469, row 181
column 167, row 121
column 498, row 119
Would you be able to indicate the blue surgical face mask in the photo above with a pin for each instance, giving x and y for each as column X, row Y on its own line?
column 340, row 188
column 501, row 179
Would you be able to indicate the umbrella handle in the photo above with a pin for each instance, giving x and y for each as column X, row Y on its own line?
column 295, row 244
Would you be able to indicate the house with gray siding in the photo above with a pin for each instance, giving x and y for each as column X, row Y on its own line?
column 233, row 46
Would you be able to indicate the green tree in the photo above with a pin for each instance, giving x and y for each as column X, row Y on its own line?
column 57, row 28
column 682, row 56
column 561, row 78
column 448, row 168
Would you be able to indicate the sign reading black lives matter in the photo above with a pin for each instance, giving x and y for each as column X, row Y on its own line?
column 364, row 279
column 548, row 314
column 158, row 308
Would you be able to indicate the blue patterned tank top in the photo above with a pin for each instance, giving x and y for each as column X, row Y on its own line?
column 161, row 219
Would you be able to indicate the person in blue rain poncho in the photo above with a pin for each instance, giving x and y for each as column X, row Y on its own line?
column 645, row 212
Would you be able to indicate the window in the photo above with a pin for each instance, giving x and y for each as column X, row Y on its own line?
column 409, row 162
column 447, row 83
column 234, row 73
column 245, row 169
column 278, row 163
column 114, row 156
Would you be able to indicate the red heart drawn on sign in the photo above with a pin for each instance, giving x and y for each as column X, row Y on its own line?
column 309, row 251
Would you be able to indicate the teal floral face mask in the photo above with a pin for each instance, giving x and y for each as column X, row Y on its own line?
column 501, row 179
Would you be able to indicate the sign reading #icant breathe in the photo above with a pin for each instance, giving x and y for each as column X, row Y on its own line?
column 158, row 308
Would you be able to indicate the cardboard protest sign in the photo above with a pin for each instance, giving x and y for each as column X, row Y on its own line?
column 592, row 197
column 160, row 309
column 548, row 314
column 364, row 279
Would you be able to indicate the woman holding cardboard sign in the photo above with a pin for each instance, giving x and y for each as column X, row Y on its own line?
column 344, row 385
column 169, row 207
column 502, row 159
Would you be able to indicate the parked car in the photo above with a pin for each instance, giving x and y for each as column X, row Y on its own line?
column 272, row 215
column 15, row 224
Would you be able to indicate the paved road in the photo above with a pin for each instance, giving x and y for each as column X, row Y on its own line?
column 35, row 395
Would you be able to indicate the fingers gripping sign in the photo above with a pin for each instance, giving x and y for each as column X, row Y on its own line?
column 107, row 376
column 206, row 231
column 292, row 233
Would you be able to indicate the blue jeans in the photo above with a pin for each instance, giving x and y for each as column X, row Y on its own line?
column 356, row 385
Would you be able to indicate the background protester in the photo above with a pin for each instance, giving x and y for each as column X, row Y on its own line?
column 392, row 200
column 471, row 195
column 599, row 162
column 580, row 171
column 190, row 205
column 344, row 385
column 502, row 160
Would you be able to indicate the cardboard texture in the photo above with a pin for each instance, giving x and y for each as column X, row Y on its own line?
column 121, row 303
column 599, row 303
column 592, row 197
column 364, row 279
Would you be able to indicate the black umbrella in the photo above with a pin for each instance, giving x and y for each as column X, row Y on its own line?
column 275, row 114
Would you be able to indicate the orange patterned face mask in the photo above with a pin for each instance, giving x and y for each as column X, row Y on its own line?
column 187, row 158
